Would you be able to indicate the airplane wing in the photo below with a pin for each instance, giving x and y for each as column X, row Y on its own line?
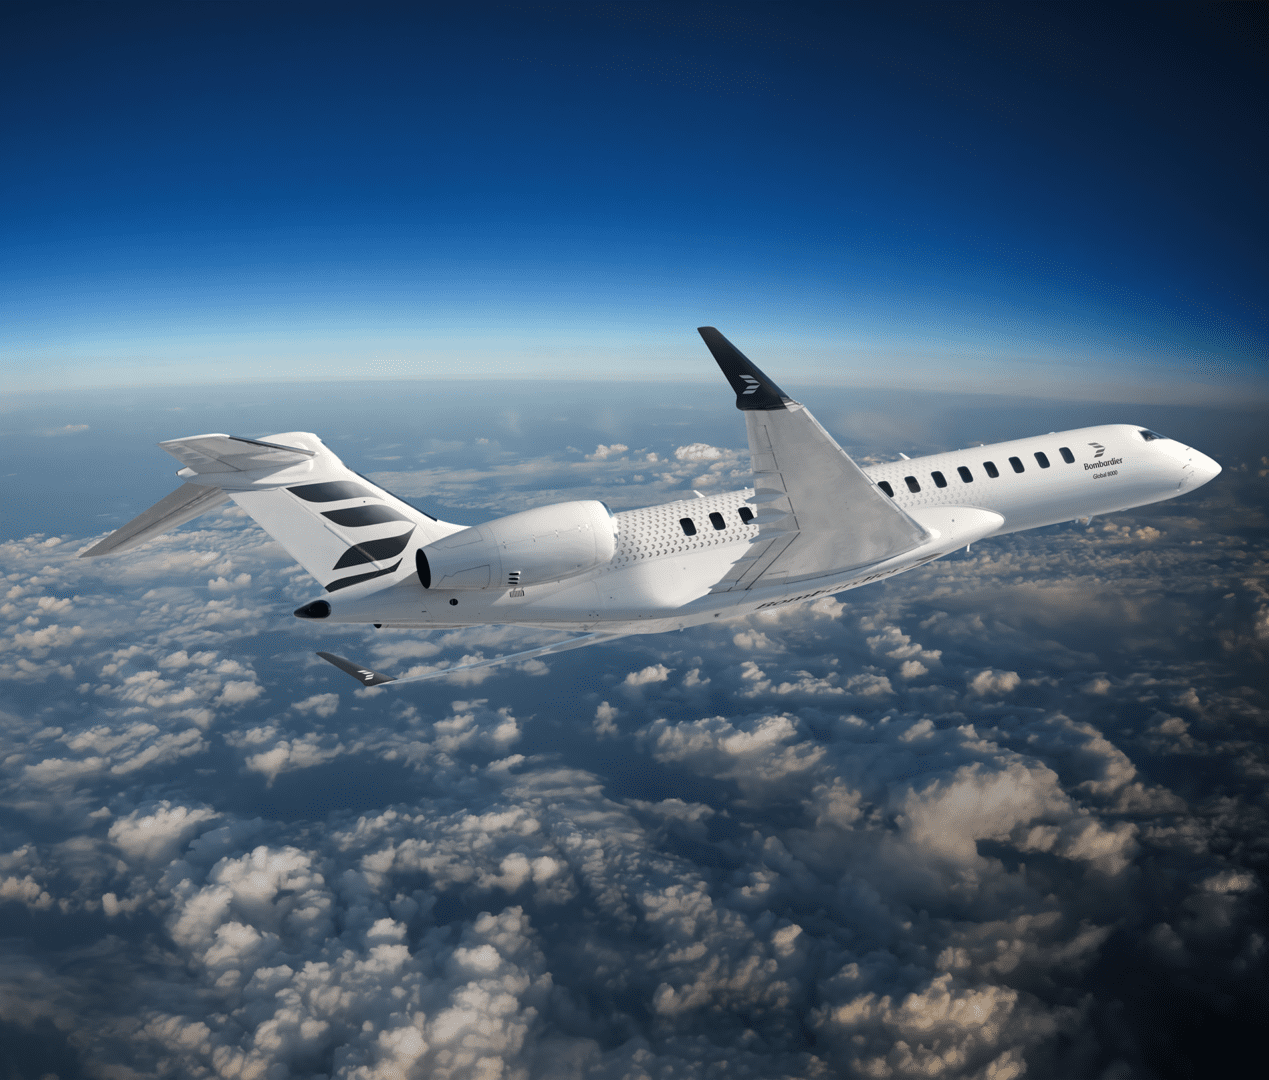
column 374, row 678
column 817, row 511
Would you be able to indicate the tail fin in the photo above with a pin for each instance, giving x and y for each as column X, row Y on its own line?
column 336, row 524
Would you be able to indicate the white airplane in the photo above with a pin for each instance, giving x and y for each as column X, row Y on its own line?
column 813, row 524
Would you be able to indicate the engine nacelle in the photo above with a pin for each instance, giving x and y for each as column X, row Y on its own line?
column 529, row 548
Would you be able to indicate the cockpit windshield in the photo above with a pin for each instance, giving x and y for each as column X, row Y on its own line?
column 1150, row 436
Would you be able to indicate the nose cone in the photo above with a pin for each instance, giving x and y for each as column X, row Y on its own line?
column 1205, row 469
column 1196, row 470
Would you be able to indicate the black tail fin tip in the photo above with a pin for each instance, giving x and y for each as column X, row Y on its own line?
column 753, row 389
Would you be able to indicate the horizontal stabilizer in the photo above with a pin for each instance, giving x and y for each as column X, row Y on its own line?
column 228, row 453
column 373, row 678
column 363, row 675
column 184, row 504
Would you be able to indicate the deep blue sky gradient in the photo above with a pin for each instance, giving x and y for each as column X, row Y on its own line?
column 1055, row 199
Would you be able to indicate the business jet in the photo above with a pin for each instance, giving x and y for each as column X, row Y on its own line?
column 813, row 524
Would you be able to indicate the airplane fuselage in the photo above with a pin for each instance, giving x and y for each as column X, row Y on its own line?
column 670, row 559
column 815, row 523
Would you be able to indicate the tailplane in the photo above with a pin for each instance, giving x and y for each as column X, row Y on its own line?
column 339, row 526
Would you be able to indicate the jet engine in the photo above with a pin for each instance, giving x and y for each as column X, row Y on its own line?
column 529, row 548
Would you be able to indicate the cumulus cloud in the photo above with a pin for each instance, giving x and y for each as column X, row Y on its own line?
column 288, row 754
column 698, row 452
column 159, row 832
column 321, row 705
column 605, row 719
column 653, row 673
column 990, row 681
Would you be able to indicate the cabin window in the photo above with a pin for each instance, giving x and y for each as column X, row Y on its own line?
column 1067, row 456
column 1042, row 458
column 965, row 474
column 689, row 526
column 716, row 519
column 939, row 479
column 746, row 515
column 989, row 467
column 1016, row 463
column 885, row 486
column 1146, row 434
column 911, row 481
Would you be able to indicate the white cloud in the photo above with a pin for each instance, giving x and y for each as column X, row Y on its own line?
column 698, row 452
column 653, row 673
column 603, row 453
column 239, row 692
column 321, row 705
column 753, row 641
column 761, row 752
column 990, row 681
column 605, row 720
column 158, row 833
column 223, row 584
column 287, row 755
column 948, row 817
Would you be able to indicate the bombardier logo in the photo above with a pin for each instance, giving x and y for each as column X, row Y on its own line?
column 1102, row 463
column 753, row 384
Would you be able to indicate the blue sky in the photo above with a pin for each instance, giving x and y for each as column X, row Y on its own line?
column 1050, row 199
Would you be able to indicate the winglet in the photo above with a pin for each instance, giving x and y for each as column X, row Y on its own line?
column 753, row 389
column 363, row 675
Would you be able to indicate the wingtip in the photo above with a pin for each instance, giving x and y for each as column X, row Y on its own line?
column 754, row 390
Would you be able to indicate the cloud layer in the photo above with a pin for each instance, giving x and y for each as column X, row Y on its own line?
column 1001, row 815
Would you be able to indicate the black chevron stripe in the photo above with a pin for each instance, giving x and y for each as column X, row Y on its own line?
column 354, row 517
column 374, row 550
column 344, row 582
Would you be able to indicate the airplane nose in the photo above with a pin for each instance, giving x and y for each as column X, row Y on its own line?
column 1204, row 467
